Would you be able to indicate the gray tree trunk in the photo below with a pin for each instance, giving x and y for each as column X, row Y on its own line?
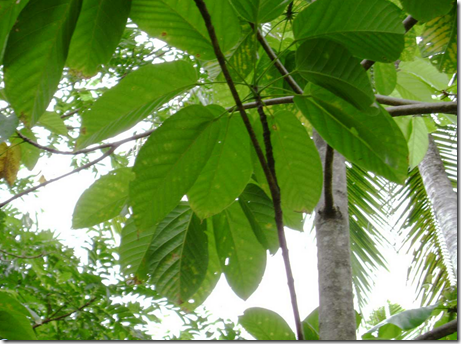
column 443, row 198
column 336, row 311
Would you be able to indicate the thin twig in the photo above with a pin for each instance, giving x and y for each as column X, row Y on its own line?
column 269, row 176
column 91, row 163
column 45, row 321
column 71, row 113
column 23, row 257
column 440, row 332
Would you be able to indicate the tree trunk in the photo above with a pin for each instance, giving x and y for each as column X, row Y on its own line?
column 336, row 311
column 443, row 198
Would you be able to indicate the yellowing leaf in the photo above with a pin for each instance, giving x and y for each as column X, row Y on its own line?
column 10, row 160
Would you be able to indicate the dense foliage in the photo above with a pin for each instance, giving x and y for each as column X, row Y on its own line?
column 199, row 181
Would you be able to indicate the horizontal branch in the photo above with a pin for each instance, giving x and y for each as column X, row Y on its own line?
column 45, row 321
column 440, row 332
column 22, row 257
column 423, row 108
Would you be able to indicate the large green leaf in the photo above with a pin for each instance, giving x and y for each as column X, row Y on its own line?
column 415, row 131
column 9, row 11
column 331, row 65
column 35, row 55
column 14, row 324
column 177, row 257
column 412, row 87
column 425, row 70
column 226, row 173
column 425, row 10
column 259, row 210
column 133, row 99
column 53, row 122
column 439, row 41
column 297, row 163
column 264, row 324
column 8, row 126
column 311, row 325
column 29, row 153
column 242, row 257
column 98, row 31
column 385, row 77
column 370, row 29
column 370, row 139
column 180, row 24
column 103, row 200
column 259, row 11
column 170, row 161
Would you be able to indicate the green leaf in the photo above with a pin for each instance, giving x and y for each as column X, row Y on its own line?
column 103, row 200
column 8, row 126
column 405, row 320
column 425, row 10
column 311, row 326
column 134, row 98
column 9, row 11
column 370, row 139
column 412, row 87
column 416, row 133
column 330, row 65
column 35, row 55
column 259, row 211
column 259, row 11
column 170, row 161
column 14, row 324
column 226, row 173
column 177, row 258
column 242, row 257
column 180, row 24
column 368, row 29
column 264, row 324
column 297, row 163
column 385, row 77
column 29, row 153
column 439, row 41
column 423, row 69
column 54, row 123
column 97, row 34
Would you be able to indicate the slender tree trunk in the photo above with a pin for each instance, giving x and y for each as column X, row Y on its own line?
column 443, row 198
column 336, row 311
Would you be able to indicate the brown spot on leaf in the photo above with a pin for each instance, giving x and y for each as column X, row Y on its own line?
column 163, row 33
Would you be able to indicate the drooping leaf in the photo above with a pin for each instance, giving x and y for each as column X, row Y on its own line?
column 330, row 65
column 242, row 257
column 9, row 11
column 170, row 161
column 425, row 10
column 133, row 99
column 177, row 257
column 259, row 11
column 97, row 34
column 103, row 200
column 368, row 29
column 35, row 55
column 259, row 211
column 423, row 69
column 415, row 131
column 226, row 173
column 385, row 77
column 8, row 125
column 264, row 324
column 29, row 153
column 297, row 163
column 53, row 122
column 14, row 324
column 10, row 161
column 180, row 24
column 370, row 139
column 412, row 87
column 439, row 41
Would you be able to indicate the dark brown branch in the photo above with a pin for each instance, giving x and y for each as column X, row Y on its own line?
column 408, row 23
column 269, row 175
column 91, row 163
column 440, row 332
column 45, row 321
column 328, row 182
column 23, row 257
column 424, row 108
column 70, row 114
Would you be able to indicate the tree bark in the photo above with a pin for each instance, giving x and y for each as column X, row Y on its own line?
column 443, row 198
column 336, row 311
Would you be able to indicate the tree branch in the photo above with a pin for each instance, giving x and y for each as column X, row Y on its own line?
column 91, row 163
column 440, row 332
column 45, row 321
column 423, row 108
column 267, row 170
column 23, row 257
